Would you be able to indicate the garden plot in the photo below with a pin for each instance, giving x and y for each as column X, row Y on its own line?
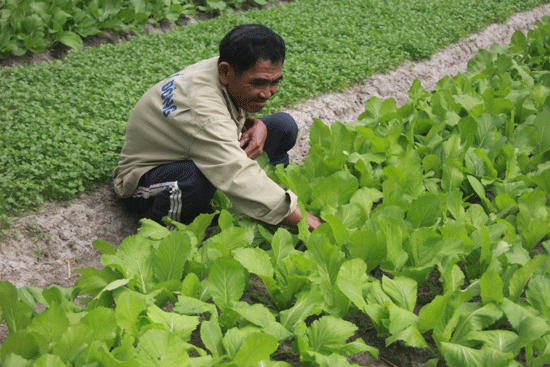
column 57, row 239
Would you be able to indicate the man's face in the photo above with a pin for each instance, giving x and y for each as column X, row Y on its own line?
column 251, row 89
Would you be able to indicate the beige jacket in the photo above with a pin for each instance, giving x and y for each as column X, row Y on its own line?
column 191, row 116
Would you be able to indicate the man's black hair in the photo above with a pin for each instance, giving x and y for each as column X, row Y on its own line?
column 245, row 44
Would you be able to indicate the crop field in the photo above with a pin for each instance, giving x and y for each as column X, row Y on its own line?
column 62, row 123
column 436, row 230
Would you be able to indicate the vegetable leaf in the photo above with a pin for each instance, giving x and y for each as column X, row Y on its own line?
column 255, row 348
column 226, row 280
column 171, row 255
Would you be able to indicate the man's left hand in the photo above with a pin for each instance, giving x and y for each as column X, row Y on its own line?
column 253, row 139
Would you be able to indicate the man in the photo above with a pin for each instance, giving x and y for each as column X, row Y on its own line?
column 191, row 134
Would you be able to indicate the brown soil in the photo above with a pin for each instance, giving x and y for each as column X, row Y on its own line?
column 44, row 247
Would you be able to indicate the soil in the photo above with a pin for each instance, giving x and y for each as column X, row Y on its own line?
column 42, row 248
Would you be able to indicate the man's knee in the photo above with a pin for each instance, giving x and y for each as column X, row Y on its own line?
column 290, row 131
column 284, row 129
column 289, row 125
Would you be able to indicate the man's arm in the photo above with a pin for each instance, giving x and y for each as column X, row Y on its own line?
column 252, row 140
column 296, row 216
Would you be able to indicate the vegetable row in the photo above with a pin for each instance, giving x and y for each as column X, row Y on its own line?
column 35, row 25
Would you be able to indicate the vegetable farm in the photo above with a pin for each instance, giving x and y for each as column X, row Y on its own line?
column 35, row 26
column 436, row 238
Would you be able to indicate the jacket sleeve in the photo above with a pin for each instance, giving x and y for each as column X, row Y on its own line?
column 217, row 153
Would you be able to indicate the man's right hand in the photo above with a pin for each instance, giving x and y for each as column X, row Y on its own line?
column 253, row 139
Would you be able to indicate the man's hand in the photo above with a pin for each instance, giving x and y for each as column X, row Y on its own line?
column 294, row 218
column 253, row 139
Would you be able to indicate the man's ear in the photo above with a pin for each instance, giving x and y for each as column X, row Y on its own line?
column 225, row 72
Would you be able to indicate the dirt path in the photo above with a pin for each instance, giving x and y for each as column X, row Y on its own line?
column 44, row 247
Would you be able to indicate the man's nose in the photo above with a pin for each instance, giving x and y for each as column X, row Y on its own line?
column 269, row 91
column 266, row 92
